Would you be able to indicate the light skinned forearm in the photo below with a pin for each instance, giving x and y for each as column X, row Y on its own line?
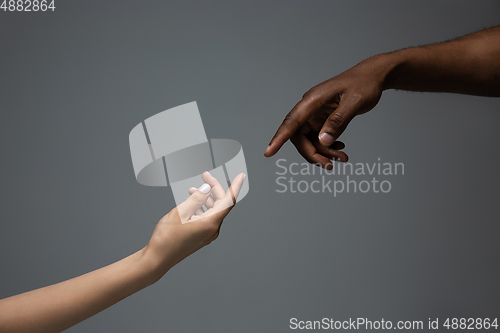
column 57, row 307
column 466, row 65
column 177, row 235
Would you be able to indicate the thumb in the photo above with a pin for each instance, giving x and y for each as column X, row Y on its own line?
column 194, row 202
column 336, row 123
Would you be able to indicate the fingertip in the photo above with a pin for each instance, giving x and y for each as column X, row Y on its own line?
column 268, row 152
column 236, row 186
column 338, row 145
column 239, row 178
column 326, row 139
column 342, row 158
column 205, row 188
column 276, row 143
column 208, row 178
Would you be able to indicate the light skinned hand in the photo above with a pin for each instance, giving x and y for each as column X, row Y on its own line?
column 177, row 235
column 188, row 227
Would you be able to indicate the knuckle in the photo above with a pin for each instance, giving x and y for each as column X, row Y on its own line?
column 362, row 102
column 313, row 94
column 356, row 98
column 336, row 120
column 198, row 199
column 288, row 118
column 310, row 93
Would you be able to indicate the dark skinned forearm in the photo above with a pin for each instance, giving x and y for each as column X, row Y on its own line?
column 466, row 65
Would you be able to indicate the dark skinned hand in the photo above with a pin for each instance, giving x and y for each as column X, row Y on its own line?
column 324, row 112
column 466, row 65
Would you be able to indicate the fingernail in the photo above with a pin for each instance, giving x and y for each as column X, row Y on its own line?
column 267, row 149
column 208, row 173
column 205, row 188
column 326, row 139
column 244, row 176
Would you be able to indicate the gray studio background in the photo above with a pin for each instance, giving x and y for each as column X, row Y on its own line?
column 75, row 82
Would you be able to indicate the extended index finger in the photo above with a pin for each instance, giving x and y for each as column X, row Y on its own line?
column 293, row 120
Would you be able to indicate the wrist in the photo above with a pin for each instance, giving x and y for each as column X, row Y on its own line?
column 387, row 67
column 152, row 265
column 403, row 67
